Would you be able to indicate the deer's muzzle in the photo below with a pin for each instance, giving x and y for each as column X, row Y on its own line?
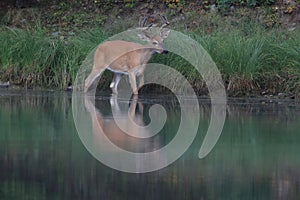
column 164, row 52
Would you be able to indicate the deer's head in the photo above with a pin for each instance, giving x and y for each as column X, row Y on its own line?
column 156, row 41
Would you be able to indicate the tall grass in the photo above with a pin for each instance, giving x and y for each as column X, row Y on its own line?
column 262, row 61
column 35, row 58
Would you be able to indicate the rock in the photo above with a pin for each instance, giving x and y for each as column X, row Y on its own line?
column 70, row 88
column 4, row 84
column 213, row 8
column 291, row 28
column 55, row 34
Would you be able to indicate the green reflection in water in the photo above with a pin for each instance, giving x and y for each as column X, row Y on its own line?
column 41, row 156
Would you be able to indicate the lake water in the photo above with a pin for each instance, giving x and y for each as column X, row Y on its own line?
column 43, row 157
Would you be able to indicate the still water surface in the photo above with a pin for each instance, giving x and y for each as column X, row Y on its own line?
column 42, row 157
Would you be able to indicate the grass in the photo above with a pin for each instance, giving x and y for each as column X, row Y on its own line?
column 33, row 58
column 246, row 61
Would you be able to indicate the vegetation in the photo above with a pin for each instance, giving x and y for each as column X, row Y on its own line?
column 32, row 58
column 253, row 50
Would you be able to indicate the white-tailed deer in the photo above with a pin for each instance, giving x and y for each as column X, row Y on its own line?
column 122, row 57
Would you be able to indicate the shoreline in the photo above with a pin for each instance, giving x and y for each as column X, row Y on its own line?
column 254, row 58
column 267, row 98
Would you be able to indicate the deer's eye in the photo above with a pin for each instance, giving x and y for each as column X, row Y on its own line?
column 155, row 43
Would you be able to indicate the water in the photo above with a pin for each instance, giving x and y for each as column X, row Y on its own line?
column 42, row 156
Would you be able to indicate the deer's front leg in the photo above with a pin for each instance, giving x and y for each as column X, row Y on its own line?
column 132, row 80
column 115, row 82
column 140, row 75
column 141, row 80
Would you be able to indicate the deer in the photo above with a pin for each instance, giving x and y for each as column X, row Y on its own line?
column 129, row 58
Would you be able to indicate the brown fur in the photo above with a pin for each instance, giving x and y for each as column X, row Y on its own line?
column 124, row 57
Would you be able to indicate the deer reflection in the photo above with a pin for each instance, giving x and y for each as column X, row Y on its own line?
column 132, row 121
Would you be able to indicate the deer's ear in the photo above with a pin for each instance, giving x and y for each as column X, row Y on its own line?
column 165, row 34
column 143, row 37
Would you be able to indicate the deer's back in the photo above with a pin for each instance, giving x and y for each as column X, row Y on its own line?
column 119, row 53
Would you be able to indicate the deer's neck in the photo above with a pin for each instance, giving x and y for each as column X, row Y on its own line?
column 147, row 54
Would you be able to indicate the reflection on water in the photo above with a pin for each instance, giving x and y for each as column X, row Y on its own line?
column 128, row 121
column 41, row 156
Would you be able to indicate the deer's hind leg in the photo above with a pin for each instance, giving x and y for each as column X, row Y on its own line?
column 92, row 77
